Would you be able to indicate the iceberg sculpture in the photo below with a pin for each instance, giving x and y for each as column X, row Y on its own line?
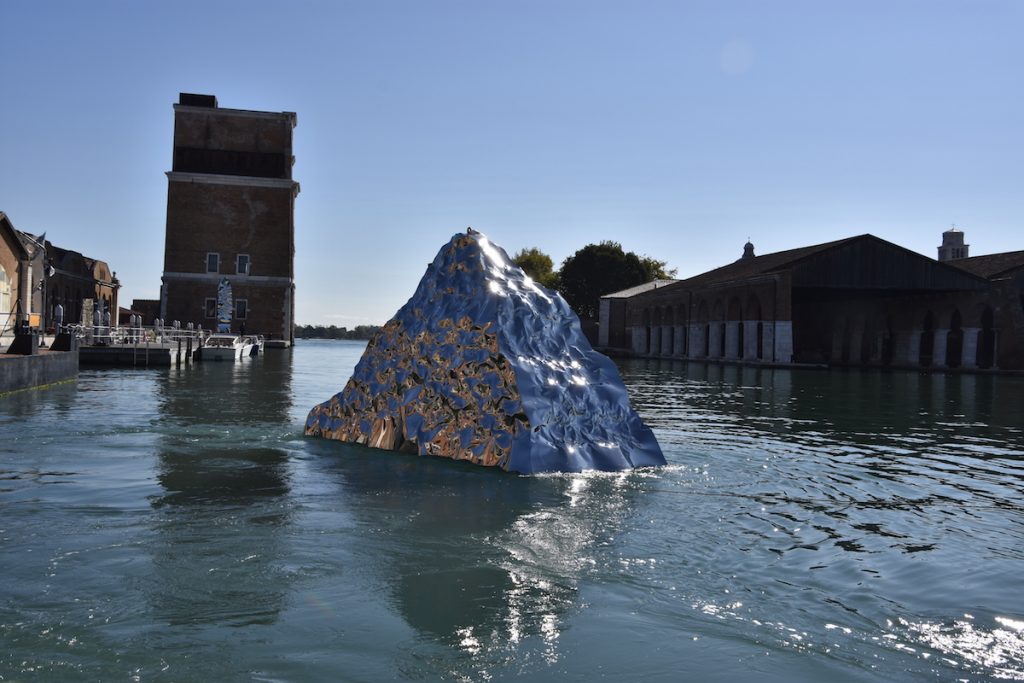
column 482, row 364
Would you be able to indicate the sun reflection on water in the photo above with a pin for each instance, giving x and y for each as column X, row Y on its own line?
column 964, row 643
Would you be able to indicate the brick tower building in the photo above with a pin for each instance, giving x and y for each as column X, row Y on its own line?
column 230, row 215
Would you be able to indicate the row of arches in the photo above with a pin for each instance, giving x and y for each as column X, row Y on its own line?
column 931, row 339
column 746, row 340
column 955, row 345
column 723, row 329
column 717, row 310
column 713, row 325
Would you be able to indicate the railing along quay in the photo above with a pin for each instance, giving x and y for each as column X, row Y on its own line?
column 154, row 345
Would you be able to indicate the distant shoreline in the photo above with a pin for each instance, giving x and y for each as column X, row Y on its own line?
column 358, row 333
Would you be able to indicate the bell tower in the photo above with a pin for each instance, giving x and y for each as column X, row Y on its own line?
column 953, row 246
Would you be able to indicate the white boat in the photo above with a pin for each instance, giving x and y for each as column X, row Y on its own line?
column 227, row 347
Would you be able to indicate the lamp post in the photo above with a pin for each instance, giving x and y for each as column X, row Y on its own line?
column 44, row 313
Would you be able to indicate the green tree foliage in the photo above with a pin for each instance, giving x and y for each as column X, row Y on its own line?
column 538, row 266
column 332, row 332
column 655, row 269
column 603, row 268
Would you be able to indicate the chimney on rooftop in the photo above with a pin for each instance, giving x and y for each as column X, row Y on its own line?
column 193, row 100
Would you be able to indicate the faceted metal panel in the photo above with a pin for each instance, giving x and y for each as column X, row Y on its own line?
column 482, row 364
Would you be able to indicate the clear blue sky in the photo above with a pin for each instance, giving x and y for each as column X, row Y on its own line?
column 678, row 128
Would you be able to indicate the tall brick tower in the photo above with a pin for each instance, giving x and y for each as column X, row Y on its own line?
column 231, row 215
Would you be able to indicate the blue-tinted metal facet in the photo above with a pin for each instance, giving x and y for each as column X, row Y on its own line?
column 483, row 364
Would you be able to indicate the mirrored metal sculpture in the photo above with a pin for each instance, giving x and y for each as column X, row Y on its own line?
column 482, row 364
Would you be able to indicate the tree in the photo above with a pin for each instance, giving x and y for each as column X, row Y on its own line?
column 655, row 269
column 361, row 332
column 599, row 269
column 538, row 266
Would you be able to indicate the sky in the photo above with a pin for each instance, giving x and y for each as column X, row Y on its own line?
column 678, row 129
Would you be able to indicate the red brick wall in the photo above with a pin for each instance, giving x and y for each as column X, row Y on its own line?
column 266, row 314
column 229, row 220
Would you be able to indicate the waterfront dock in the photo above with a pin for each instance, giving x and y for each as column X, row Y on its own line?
column 152, row 354
column 137, row 346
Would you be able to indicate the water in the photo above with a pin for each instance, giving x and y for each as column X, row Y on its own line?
column 175, row 526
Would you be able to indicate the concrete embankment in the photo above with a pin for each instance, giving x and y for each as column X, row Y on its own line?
column 36, row 370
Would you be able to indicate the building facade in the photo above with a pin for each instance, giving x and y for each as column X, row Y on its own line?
column 230, row 216
column 73, row 278
column 37, row 276
column 15, row 277
column 861, row 301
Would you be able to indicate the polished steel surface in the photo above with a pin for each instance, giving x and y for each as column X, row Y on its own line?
column 483, row 364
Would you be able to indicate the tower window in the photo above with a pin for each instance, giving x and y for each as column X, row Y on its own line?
column 212, row 262
column 242, row 264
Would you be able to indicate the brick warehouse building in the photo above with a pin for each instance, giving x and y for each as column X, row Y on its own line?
column 860, row 301
column 230, row 214
column 36, row 276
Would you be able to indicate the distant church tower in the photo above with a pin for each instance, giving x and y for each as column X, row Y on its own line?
column 748, row 250
column 230, row 216
column 953, row 246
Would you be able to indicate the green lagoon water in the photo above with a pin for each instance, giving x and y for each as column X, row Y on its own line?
column 174, row 525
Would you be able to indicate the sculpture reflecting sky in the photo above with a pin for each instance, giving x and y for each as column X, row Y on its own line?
column 482, row 364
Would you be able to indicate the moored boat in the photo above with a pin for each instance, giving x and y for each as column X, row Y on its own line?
column 227, row 347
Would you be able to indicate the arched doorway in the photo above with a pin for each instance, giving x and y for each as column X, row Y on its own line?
column 752, row 318
column 887, row 343
column 868, row 339
column 734, row 330
column 668, row 331
column 682, row 330
column 700, row 346
column 717, row 330
column 645, row 336
column 954, row 341
column 987, row 339
column 927, row 343
column 654, row 347
column 844, row 351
